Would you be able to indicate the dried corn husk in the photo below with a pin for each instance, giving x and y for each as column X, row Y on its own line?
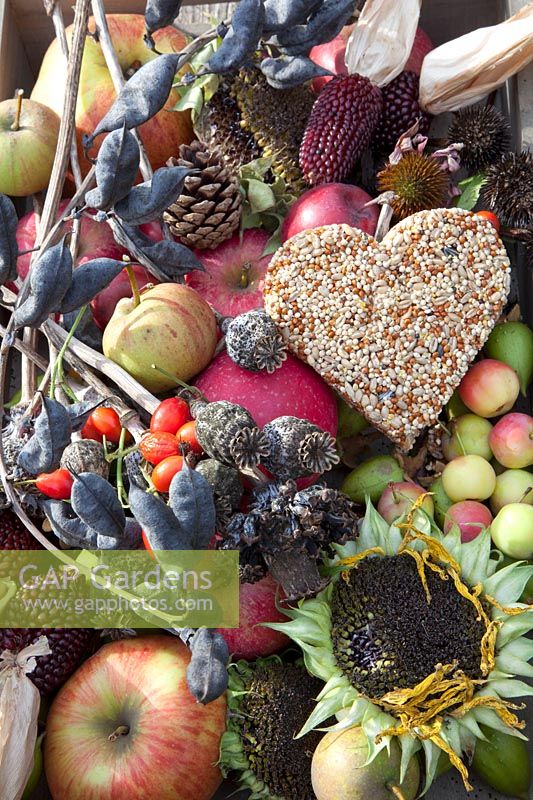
column 19, row 711
column 382, row 40
column 465, row 70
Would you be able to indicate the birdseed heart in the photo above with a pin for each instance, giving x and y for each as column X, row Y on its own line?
column 391, row 326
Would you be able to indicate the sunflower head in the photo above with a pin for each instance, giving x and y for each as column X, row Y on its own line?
column 269, row 702
column 418, row 637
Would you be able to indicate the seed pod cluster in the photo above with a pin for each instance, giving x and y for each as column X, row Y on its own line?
column 227, row 432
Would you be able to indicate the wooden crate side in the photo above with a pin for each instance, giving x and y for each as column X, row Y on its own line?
column 15, row 71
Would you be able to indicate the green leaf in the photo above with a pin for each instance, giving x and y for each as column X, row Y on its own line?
column 192, row 98
column 260, row 196
column 255, row 169
column 470, row 190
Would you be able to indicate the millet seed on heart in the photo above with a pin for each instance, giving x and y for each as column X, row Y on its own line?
column 392, row 326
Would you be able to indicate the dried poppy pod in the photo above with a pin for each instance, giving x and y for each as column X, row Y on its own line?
column 298, row 448
column 254, row 342
column 227, row 432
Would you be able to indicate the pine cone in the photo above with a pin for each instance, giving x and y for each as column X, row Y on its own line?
column 209, row 210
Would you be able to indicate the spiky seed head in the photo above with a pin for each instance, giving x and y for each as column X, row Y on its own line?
column 508, row 189
column 340, row 127
column 418, row 183
column 485, row 133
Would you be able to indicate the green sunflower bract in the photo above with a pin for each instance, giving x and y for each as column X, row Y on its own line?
column 418, row 637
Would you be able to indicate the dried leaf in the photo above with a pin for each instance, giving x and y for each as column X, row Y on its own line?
column 163, row 530
column 171, row 259
column 68, row 527
column 283, row 14
column 89, row 279
column 326, row 23
column 191, row 500
column 286, row 72
column 95, row 502
column 242, row 39
column 141, row 97
column 130, row 539
column 87, row 330
column 147, row 201
column 50, row 278
column 159, row 13
column 116, row 168
column 80, row 412
column 42, row 453
column 8, row 240
column 412, row 465
column 207, row 675
column 382, row 40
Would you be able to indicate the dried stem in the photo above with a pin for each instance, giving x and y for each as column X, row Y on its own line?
column 119, row 376
column 27, row 350
column 137, row 254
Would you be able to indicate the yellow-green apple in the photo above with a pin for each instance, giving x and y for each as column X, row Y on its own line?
column 331, row 55
column 161, row 135
column 470, row 517
column 512, row 530
column 468, row 478
column 234, row 273
column 399, row 498
column 104, row 303
column 340, row 769
column 511, row 440
column 126, row 726
column 330, row 204
column 512, row 486
column 28, row 141
column 489, row 388
column 468, row 435
column 257, row 605
column 171, row 327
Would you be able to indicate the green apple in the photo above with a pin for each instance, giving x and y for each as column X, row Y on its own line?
column 171, row 327
column 372, row 478
column 512, row 531
column 512, row 486
column 469, row 435
column 28, row 141
column 468, row 478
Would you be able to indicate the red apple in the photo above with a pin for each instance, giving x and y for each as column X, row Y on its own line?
column 331, row 55
column 126, row 726
column 161, row 135
column 172, row 327
column 95, row 240
column 257, row 604
column 489, row 388
column 330, row 204
column 294, row 389
column 234, row 273
column 511, row 441
column 470, row 516
column 104, row 304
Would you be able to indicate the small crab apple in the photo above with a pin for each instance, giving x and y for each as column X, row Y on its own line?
column 512, row 486
column 469, row 435
column 332, row 203
column 511, row 440
column 398, row 499
column 470, row 516
column 468, row 478
column 490, row 388
column 512, row 530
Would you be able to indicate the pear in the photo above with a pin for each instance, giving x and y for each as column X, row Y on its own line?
column 512, row 343
column 372, row 478
column 339, row 770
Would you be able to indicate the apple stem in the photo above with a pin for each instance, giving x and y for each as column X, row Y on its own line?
column 134, row 286
column 16, row 123
column 177, row 381
column 122, row 730
column 397, row 792
column 526, row 493
column 244, row 280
